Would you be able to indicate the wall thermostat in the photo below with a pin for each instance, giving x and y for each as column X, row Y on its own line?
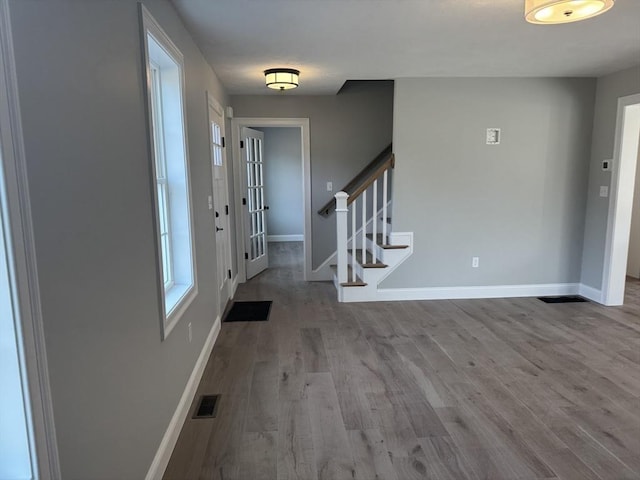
column 493, row 136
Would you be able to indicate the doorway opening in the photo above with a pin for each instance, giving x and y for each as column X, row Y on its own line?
column 625, row 160
column 245, row 163
column 219, row 202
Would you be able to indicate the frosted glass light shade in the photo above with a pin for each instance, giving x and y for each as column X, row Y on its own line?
column 564, row 11
column 281, row 78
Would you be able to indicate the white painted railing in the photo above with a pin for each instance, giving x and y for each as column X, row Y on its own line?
column 368, row 205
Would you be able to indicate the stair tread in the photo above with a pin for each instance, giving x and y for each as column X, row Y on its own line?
column 369, row 260
column 386, row 246
column 353, row 284
column 357, row 283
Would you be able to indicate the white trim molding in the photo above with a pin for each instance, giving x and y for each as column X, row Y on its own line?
column 285, row 238
column 591, row 293
column 489, row 291
column 620, row 201
column 45, row 459
column 163, row 455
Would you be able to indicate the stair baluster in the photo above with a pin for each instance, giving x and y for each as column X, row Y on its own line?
column 374, row 214
column 363, row 229
column 353, row 241
column 384, row 206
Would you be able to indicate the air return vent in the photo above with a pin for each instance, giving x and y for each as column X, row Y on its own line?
column 207, row 406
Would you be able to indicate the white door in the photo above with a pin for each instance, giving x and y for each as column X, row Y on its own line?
column 256, row 252
column 220, row 202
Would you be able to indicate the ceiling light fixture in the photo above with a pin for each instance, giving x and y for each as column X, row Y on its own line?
column 563, row 11
column 281, row 78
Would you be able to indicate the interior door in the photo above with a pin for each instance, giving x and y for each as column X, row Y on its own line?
column 220, row 202
column 256, row 252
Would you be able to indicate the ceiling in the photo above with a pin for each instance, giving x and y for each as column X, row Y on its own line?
column 331, row 41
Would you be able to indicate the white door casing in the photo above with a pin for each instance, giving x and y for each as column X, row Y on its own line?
column 302, row 124
column 253, row 204
column 625, row 159
column 220, row 201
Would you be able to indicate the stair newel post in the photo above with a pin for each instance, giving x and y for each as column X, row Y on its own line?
column 342, row 211
column 374, row 216
column 384, row 206
column 363, row 229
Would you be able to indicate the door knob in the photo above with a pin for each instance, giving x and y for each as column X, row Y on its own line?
column 218, row 229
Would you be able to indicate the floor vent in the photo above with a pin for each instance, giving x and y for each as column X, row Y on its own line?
column 207, row 407
column 563, row 299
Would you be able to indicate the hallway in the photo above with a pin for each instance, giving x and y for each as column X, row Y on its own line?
column 466, row 389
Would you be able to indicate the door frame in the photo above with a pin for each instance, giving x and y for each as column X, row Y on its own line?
column 619, row 217
column 30, row 327
column 217, row 107
column 303, row 125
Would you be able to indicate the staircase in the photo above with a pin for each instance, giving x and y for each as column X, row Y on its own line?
column 367, row 248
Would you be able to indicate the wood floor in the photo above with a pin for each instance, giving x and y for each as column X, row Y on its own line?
column 469, row 389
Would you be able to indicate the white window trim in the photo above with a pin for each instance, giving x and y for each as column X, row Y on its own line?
column 175, row 300
column 31, row 325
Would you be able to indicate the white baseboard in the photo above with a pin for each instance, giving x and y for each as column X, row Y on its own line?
column 234, row 286
column 161, row 460
column 452, row 293
column 285, row 238
column 323, row 273
column 591, row 293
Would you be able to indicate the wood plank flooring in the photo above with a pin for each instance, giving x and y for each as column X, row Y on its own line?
column 500, row 389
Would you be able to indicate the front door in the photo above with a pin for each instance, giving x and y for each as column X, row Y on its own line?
column 256, row 252
column 220, row 202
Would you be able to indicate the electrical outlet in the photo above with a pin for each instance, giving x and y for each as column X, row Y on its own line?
column 475, row 262
column 190, row 336
column 604, row 191
column 329, row 186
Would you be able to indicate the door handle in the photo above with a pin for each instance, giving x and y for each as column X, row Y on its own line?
column 266, row 207
column 218, row 229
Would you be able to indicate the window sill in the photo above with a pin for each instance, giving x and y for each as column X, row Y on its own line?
column 176, row 301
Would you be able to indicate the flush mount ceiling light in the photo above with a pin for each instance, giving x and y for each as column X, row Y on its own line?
column 281, row 78
column 563, row 11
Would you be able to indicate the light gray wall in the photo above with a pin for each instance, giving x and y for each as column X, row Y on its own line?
column 346, row 132
column 283, row 180
column 633, row 263
column 609, row 89
column 519, row 206
column 115, row 384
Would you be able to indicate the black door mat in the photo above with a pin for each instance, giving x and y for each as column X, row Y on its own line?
column 563, row 299
column 249, row 312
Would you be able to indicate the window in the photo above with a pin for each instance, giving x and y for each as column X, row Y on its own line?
column 164, row 71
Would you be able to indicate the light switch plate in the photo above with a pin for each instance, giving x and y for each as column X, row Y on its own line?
column 606, row 165
column 493, row 136
column 329, row 186
column 604, row 191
